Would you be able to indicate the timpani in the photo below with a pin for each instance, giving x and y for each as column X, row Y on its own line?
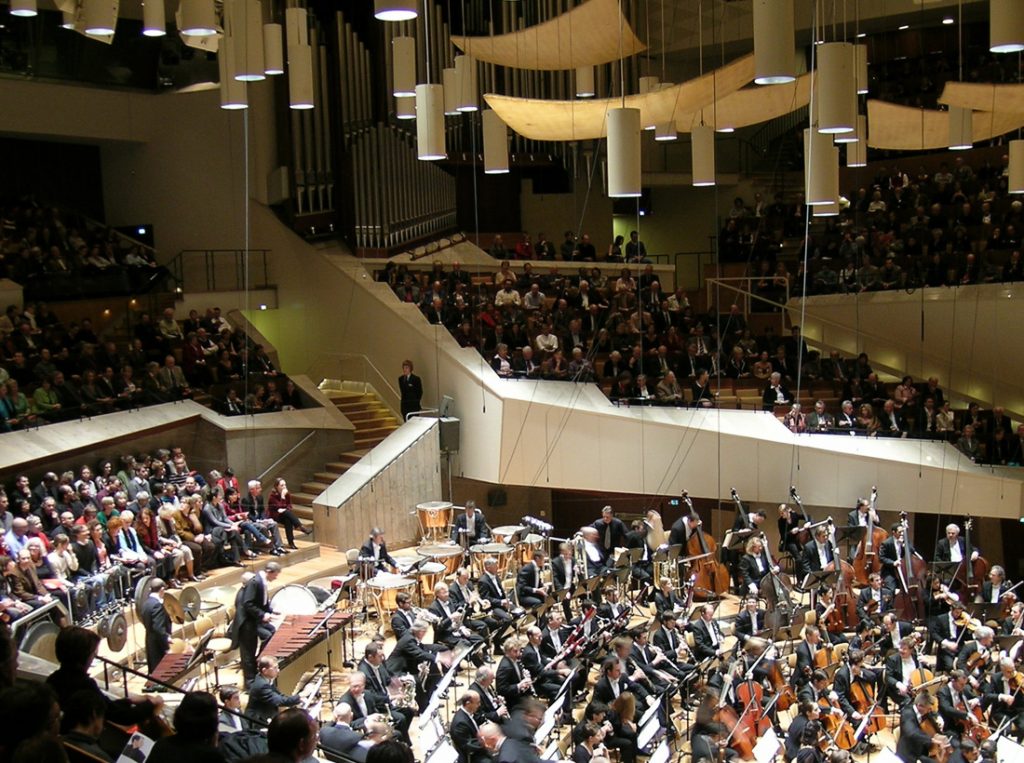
column 502, row 553
column 294, row 600
column 526, row 547
column 506, row 533
column 435, row 519
column 384, row 588
column 448, row 554
column 430, row 574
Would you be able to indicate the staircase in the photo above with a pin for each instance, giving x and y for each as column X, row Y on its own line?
column 373, row 421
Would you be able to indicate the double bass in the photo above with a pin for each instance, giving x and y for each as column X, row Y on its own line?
column 866, row 560
column 971, row 573
column 804, row 536
column 776, row 593
column 711, row 576
column 845, row 602
column 909, row 602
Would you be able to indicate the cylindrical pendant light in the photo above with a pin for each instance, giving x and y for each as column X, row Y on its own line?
column 405, row 107
column 860, row 68
column 98, row 17
column 857, row 153
column 394, row 10
column 835, row 86
column 774, row 46
column 197, row 18
column 24, row 8
column 849, row 137
column 154, row 23
column 1016, row 184
column 585, row 82
column 495, row 144
column 465, row 68
column 233, row 93
column 1006, row 26
column 648, row 84
column 450, row 81
column 403, row 64
column 300, row 59
column 666, row 131
column 430, row 122
column 825, row 210
column 821, row 168
column 67, row 20
column 624, row 177
column 702, row 151
column 961, row 128
column 244, row 23
column 273, row 49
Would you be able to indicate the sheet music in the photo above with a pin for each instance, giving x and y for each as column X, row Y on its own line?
column 1008, row 751
column 767, row 747
column 647, row 733
column 661, row 754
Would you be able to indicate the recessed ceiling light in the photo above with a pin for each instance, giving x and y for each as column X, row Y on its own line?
column 904, row 27
column 948, row 20
column 861, row 35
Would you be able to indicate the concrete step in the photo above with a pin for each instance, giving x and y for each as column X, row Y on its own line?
column 368, row 404
column 304, row 513
column 380, row 421
column 368, row 415
column 315, row 488
column 304, row 498
column 348, row 458
column 368, row 442
column 380, row 431
column 329, row 476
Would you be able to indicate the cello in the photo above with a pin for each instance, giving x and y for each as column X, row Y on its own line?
column 862, row 697
column 866, row 559
column 711, row 576
column 839, row 730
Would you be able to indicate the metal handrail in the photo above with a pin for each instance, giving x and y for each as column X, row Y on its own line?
column 177, row 267
column 287, row 453
column 748, row 293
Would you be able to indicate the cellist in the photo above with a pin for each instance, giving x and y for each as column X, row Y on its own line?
column 805, row 652
column 853, row 671
column 915, row 743
column 956, row 700
column 809, row 711
column 898, row 668
column 829, row 620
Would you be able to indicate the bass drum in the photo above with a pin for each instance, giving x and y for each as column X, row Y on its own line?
column 319, row 593
column 294, row 600
column 39, row 640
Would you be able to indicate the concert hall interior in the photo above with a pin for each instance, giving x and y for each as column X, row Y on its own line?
column 458, row 381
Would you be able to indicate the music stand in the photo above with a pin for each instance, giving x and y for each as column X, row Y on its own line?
column 1008, row 751
column 635, row 554
column 1008, row 642
column 767, row 747
column 445, row 753
column 850, row 534
column 945, row 570
column 986, row 611
column 648, row 732
column 736, row 539
column 650, row 712
column 815, row 580
column 661, row 753
column 198, row 654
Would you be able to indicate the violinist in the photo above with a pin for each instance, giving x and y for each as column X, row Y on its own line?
column 790, row 527
column 1014, row 624
column 860, row 516
column 809, row 711
column 996, row 587
column 805, row 652
column 1004, row 696
column 937, row 597
column 898, row 668
column 891, row 553
column 753, row 566
column 828, row 619
column 956, row 700
column 818, row 553
column 976, row 655
column 893, row 630
column 666, row 599
column 915, row 743
column 947, row 633
column 707, row 635
column 864, row 636
column 874, row 599
column 749, row 621
column 953, row 548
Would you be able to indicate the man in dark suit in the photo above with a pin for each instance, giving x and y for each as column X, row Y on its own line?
column 898, row 668
column 844, row 678
column 410, row 386
column 375, row 552
column 545, row 682
column 378, row 677
column 947, row 635
column 403, row 618
column 554, row 635
column 611, row 683
column 464, row 730
column 264, row 698
column 363, row 703
column 409, row 653
column 470, row 527
column 993, row 589
column 511, row 681
column 892, row 553
column 252, row 617
column 232, row 720
column 707, row 635
column 775, row 393
column 611, row 531
column 450, row 628
column 490, row 588
column 530, row 583
column 156, row 623
column 805, row 652
column 873, row 599
column 893, row 629
column 492, row 707
column 956, row 698
column 809, row 711
column 818, row 552
column 953, row 548
column 860, row 515
column 749, row 621
column 339, row 738
column 504, row 749
column 914, row 744
column 708, row 746
column 563, row 572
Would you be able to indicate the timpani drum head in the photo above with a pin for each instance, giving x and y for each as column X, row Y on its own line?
column 294, row 600
column 431, row 568
column 505, row 532
column 433, row 505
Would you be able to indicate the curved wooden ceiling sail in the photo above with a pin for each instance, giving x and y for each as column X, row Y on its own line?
column 983, row 96
column 587, row 35
column 750, row 106
column 540, row 119
column 907, row 128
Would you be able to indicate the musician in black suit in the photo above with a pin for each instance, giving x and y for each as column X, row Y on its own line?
column 530, row 582
column 555, row 634
column 893, row 629
column 818, row 553
column 489, row 587
column 682, row 529
column 611, row 683
column 492, row 705
column 707, row 635
column 377, row 679
column 545, row 682
column 859, row 516
column 898, row 669
column 667, row 638
column 156, row 623
column 407, row 656
column 470, row 527
column 590, row 743
column 914, row 743
column 997, row 586
column 234, row 721
column 411, row 388
column 252, row 618
column 464, row 730
column 597, row 560
column 651, row 659
column 375, row 552
column 805, row 653
column 642, row 569
column 666, row 599
column 611, row 531
column 790, row 527
column 753, row 566
column 1004, row 702
column 709, row 746
column 816, row 688
column 611, row 608
column 954, row 545
column 264, row 698
column 362, row 702
column 450, row 628
column 749, row 621
column 976, row 655
column 956, row 700
column 461, row 589
column 809, row 711
column 892, row 553
column 853, row 671
column 506, row 749
column 403, row 618
column 564, row 573
column 947, row 633
column 511, row 680
column 873, row 592
column 339, row 738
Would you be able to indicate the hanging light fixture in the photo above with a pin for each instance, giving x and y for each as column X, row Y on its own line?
column 821, row 168
column 67, row 19
column 273, row 49
column 405, row 107
column 851, row 136
column 403, row 65
column 585, row 82
column 465, row 69
column 961, row 128
column 197, row 18
column 1016, row 180
column 624, row 177
column 98, row 17
column 246, row 21
column 234, row 93
column 300, row 59
column 835, row 88
column 1005, row 26
column 154, row 23
column 666, row 132
column 24, row 8
column 860, row 68
column 394, row 10
column 702, row 152
column 774, row 49
column 825, row 210
column 495, row 144
column 857, row 152
column 450, row 81
column 430, row 122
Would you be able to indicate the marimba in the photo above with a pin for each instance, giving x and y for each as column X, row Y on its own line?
column 172, row 669
column 299, row 649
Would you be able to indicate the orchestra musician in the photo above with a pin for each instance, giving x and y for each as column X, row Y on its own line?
column 563, row 573
column 823, row 608
column 996, row 587
column 265, row 700
column 251, row 625
column 953, row 547
column 818, row 552
column 815, row 688
column 753, row 566
column 749, row 621
column 378, row 678
column 590, row 745
column 652, row 660
column 363, row 703
column 874, row 592
column 1005, row 698
column 492, row 706
column 642, row 569
column 617, row 736
column 745, row 523
column 862, row 514
column 790, row 527
column 898, row 667
column 892, row 630
column 465, row 731
column 594, row 551
column 612, row 682
column 156, row 623
column 639, row 683
column 407, row 656
column 956, row 699
column 809, row 751
column 666, row 599
column 403, row 618
column 611, row 608
column 546, row 682
column 682, row 529
column 707, row 744
column 707, row 635
column 852, row 671
column 977, row 652
column 450, row 629
column 1014, row 624
column 530, row 582
column 611, row 531
column 805, row 652
column 808, row 711
column 511, row 681
column 470, row 527
column 490, row 589
column 914, row 743
column 891, row 554
column 374, row 552
column 947, row 633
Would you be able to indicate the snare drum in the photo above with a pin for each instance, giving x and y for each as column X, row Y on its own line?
column 502, row 552
column 447, row 554
column 435, row 518
column 294, row 600
column 505, row 533
column 385, row 588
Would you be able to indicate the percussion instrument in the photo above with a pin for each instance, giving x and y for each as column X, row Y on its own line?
column 435, row 519
column 191, row 601
column 294, row 600
column 174, row 609
column 172, row 668
column 526, row 547
column 506, row 533
column 448, row 554
column 299, row 644
column 320, row 593
column 430, row 573
column 501, row 552
column 39, row 640
column 384, row 588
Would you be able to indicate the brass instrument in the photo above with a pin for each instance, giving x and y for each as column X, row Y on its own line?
column 426, row 616
column 402, row 692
